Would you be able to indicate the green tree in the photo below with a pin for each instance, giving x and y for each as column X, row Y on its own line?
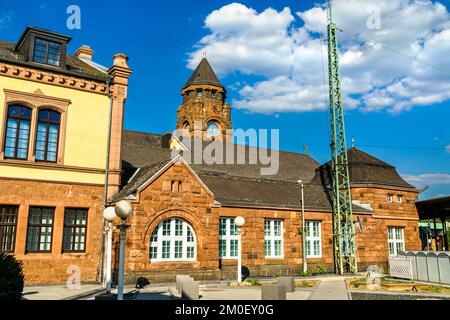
column 11, row 277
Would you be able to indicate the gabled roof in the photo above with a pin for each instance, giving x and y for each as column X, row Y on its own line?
column 231, row 184
column 202, row 75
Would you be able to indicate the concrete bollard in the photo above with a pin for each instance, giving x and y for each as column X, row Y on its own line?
column 273, row 292
column 180, row 279
column 190, row 290
column 288, row 282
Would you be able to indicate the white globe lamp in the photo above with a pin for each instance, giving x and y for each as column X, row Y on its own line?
column 123, row 209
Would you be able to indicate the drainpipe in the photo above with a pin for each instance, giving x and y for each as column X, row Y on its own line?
column 105, row 195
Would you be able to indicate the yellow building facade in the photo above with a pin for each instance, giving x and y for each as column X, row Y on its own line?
column 61, row 119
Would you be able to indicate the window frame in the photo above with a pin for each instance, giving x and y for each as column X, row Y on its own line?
column 47, row 124
column 35, row 101
column 229, row 238
column 394, row 241
column 47, row 49
column 172, row 238
column 4, row 224
column 73, row 227
column 309, row 225
column 20, row 119
column 390, row 198
column 40, row 226
column 272, row 238
column 400, row 198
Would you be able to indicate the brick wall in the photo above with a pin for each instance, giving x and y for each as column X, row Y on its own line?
column 51, row 268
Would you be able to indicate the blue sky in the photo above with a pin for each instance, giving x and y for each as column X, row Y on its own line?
column 396, row 88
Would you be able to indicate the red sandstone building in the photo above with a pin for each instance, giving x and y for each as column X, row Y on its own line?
column 183, row 211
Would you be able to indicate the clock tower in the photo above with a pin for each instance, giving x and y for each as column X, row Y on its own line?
column 204, row 112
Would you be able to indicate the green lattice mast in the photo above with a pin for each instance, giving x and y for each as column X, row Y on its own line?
column 343, row 227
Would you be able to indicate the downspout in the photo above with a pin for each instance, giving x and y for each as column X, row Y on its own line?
column 105, row 195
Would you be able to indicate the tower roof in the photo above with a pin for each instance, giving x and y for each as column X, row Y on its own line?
column 202, row 75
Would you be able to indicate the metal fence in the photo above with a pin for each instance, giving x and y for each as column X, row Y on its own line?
column 427, row 266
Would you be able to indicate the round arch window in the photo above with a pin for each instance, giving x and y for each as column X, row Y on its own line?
column 186, row 127
column 212, row 128
column 173, row 240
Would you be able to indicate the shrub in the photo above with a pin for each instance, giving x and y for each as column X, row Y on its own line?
column 11, row 277
column 254, row 282
column 321, row 269
column 306, row 273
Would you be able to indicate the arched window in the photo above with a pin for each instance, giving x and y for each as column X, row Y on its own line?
column 17, row 132
column 186, row 128
column 47, row 135
column 173, row 240
column 212, row 129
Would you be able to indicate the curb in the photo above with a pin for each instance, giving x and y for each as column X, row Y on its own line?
column 86, row 294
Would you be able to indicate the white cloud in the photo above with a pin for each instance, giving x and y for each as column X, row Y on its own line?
column 427, row 179
column 6, row 18
column 290, row 56
column 447, row 148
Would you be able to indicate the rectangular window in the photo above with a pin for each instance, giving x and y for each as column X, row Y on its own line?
column 399, row 199
column 8, row 225
column 40, row 229
column 313, row 236
column 390, row 198
column 396, row 240
column 228, row 239
column 47, row 52
column 273, row 238
column 75, row 225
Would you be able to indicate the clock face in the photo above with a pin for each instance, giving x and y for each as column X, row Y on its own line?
column 212, row 129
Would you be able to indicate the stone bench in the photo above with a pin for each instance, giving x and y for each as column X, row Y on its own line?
column 273, row 292
column 288, row 282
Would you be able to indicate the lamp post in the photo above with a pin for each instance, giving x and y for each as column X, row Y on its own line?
column 239, row 223
column 305, row 264
column 110, row 215
column 123, row 210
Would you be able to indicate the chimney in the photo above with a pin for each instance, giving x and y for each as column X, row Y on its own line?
column 85, row 52
column 120, row 60
column 305, row 149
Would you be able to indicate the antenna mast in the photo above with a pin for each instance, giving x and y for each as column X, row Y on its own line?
column 343, row 226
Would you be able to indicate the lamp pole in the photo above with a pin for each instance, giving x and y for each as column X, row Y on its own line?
column 123, row 211
column 239, row 223
column 305, row 264
column 110, row 215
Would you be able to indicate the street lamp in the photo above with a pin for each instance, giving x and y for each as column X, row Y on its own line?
column 123, row 210
column 305, row 264
column 110, row 215
column 239, row 223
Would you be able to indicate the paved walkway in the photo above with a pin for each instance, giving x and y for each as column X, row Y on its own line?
column 330, row 289
column 57, row 292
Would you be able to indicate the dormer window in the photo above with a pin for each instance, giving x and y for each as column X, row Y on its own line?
column 47, row 52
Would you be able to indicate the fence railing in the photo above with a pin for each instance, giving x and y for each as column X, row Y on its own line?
column 427, row 266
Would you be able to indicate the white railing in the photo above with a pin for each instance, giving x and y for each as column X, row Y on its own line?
column 400, row 267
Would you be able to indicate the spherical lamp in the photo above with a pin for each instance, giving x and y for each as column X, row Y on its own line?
column 123, row 209
column 109, row 214
column 239, row 221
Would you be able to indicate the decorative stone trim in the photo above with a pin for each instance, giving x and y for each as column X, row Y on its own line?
column 49, row 77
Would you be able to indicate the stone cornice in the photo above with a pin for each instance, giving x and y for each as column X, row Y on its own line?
column 52, row 78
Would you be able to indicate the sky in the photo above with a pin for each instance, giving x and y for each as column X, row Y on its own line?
column 272, row 57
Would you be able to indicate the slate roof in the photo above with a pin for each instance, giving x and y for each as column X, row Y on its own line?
column 365, row 169
column 203, row 74
column 231, row 184
column 74, row 66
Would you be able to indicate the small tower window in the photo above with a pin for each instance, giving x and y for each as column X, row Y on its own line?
column 399, row 199
column 390, row 198
column 199, row 93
